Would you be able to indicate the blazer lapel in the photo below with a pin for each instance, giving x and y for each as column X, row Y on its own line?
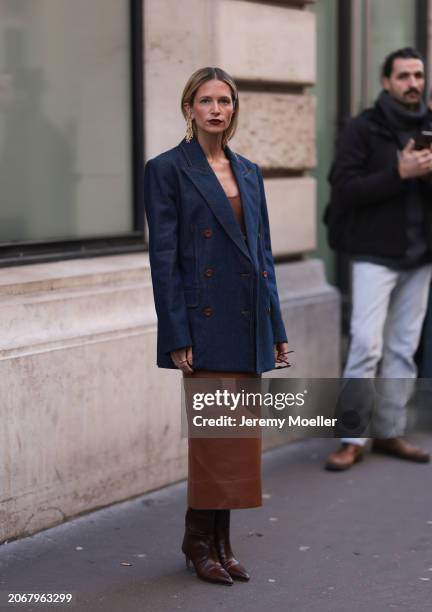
column 207, row 183
column 249, row 193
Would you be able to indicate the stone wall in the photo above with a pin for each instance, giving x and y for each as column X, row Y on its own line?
column 86, row 418
column 270, row 50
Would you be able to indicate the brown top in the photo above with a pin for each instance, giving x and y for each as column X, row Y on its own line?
column 236, row 204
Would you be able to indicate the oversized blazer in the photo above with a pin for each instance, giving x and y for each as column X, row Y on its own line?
column 214, row 289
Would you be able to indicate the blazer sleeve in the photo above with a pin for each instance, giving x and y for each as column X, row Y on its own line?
column 279, row 333
column 163, row 225
column 352, row 182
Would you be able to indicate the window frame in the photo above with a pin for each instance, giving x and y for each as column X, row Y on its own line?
column 41, row 251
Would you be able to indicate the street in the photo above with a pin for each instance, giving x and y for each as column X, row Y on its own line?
column 330, row 542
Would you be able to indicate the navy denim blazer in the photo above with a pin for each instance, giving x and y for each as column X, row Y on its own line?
column 214, row 289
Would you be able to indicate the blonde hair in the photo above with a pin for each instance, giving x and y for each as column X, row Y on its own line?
column 202, row 76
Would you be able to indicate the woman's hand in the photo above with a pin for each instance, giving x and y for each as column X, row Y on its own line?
column 183, row 359
column 281, row 353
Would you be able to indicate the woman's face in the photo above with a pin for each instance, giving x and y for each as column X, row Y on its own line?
column 212, row 108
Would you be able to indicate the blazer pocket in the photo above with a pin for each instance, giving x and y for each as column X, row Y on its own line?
column 191, row 298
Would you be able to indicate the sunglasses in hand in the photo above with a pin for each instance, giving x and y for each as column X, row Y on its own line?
column 282, row 363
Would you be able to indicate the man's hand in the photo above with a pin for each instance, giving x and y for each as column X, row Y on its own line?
column 414, row 163
column 183, row 359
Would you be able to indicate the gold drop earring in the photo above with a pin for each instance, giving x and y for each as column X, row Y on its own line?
column 189, row 129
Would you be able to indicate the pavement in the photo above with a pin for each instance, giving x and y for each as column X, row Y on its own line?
column 352, row 541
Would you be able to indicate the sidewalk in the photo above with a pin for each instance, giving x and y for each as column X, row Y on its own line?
column 323, row 542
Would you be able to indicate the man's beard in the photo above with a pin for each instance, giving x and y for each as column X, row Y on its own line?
column 406, row 105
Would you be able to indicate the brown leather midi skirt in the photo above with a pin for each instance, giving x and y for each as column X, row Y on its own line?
column 224, row 473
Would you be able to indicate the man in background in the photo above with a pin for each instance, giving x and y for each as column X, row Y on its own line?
column 381, row 215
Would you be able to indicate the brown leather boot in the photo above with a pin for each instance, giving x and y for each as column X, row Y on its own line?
column 398, row 447
column 345, row 457
column 199, row 546
column 223, row 546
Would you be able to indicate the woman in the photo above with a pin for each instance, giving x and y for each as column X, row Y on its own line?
column 216, row 300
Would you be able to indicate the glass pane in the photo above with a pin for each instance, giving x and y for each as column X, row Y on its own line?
column 391, row 26
column 358, row 76
column 65, row 119
column 325, row 91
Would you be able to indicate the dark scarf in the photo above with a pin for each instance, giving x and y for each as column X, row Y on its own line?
column 400, row 118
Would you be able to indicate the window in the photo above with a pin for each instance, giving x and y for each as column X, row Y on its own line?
column 70, row 104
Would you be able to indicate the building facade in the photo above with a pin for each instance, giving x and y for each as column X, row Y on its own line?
column 88, row 91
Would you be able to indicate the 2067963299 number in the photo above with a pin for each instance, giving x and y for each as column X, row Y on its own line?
column 25, row 598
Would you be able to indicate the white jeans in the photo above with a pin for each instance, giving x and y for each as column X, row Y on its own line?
column 389, row 307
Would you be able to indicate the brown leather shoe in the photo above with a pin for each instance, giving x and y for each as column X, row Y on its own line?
column 199, row 546
column 223, row 546
column 398, row 447
column 344, row 457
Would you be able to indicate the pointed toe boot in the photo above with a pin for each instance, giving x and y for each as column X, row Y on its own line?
column 199, row 547
column 223, row 546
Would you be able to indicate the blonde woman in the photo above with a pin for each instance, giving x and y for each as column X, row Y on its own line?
column 216, row 300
